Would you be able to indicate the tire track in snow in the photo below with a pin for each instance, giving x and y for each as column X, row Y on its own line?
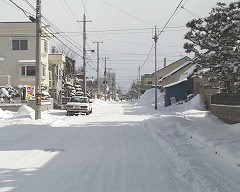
column 189, row 166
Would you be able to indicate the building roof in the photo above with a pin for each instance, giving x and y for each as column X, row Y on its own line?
column 176, row 70
column 147, row 75
column 184, row 58
column 175, row 83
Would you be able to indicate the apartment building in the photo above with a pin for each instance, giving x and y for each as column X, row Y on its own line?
column 18, row 53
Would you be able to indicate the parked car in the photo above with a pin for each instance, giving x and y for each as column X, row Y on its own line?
column 79, row 104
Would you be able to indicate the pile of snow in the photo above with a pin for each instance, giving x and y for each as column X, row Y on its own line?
column 1, row 113
column 25, row 112
column 5, row 114
column 197, row 103
column 147, row 99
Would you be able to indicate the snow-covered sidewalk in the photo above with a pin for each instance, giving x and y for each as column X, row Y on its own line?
column 121, row 146
column 196, row 122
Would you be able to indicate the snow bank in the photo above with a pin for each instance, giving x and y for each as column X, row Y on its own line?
column 5, row 114
column 193, row 119
column 99, row 102
column 1, row 113
column 25, row 112
column 196, row 103
column 148, row 99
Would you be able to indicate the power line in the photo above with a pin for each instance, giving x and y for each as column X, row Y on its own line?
column 162, row 31
column 70, row 9
column 195, row 15
column 148, row 56
column 24, row 11
column 119, row 30
column 127, row 13
column 95, row 31
column 30, row 5
column 170, row 18
column 9, row 4
column 70, row 12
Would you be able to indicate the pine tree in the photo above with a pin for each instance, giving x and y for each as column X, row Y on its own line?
column 215, row 40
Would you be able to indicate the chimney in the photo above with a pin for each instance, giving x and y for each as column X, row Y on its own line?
column 165, row 62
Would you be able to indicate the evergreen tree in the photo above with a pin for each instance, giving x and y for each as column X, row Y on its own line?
column 215, row 40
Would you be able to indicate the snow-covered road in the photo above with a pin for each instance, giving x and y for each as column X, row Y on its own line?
column 113, row 149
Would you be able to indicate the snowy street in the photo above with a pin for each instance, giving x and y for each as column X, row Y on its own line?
column 119, row 147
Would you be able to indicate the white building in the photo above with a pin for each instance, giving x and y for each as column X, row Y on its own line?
column 18, row 48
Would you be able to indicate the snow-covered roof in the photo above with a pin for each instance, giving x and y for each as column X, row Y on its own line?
column 175, row 70
column 188, row 73
column 175, row 83
column 203, row 71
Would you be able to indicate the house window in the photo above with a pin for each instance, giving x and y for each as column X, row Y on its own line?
column 149, row 82
column 19, row 45
column 28, row 70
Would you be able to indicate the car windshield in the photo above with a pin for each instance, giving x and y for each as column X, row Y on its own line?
column 78, row 100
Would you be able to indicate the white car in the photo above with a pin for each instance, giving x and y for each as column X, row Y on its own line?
column 79, row 104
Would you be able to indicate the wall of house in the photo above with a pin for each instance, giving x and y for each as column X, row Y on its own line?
column 9, row 32
column 146, row 83
column 204, row 87
column 179, row 91
column 11, row 66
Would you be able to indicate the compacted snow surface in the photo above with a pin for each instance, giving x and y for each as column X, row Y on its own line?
column 120, row 147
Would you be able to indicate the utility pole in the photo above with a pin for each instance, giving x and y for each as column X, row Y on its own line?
column 84, row 53
column 109, row 83
column 105, row 78
column 155, row 76
column 139, row 82
column 98, row 84
column 38, row 61
column 113, row 88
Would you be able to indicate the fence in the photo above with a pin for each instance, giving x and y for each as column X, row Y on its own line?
column 226, row 99
column 226, row 107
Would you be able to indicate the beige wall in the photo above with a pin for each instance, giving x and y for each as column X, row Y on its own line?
column 11, row 66
column 199, row 88
column 56, row 64
column 144, row 82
